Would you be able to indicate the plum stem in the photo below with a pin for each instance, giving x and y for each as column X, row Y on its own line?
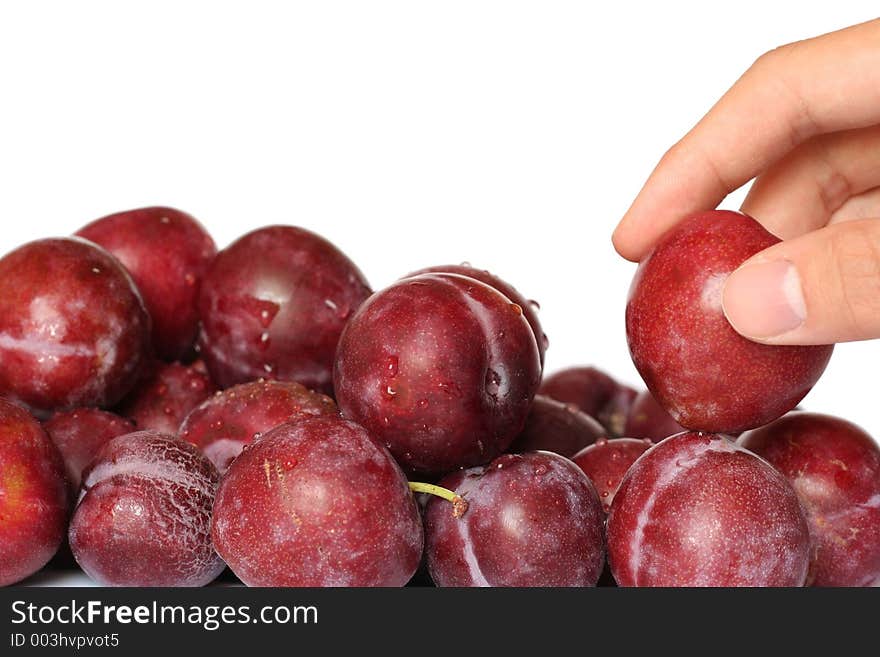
column 459, row 504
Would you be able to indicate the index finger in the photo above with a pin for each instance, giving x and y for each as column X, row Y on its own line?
column 790, row 94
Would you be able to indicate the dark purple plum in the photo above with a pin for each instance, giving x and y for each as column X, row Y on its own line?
column 594, row 392
column 227, row 422
column 648, row 419
column 163, row 400
column 317, row 502
column 273, row 305
column 556, row 427
column 167, row 253
column 705, row 374
column 834, row 467
column 698, row 510
column 33, row 495
column 79, row 434
column 441, row 369
column 529, row 307
column 73, row 328
column 606, row 462
column 144, row 514
column 532, row 519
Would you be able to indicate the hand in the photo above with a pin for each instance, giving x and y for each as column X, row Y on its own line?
column 804, row 121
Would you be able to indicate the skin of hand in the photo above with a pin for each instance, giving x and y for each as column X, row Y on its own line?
column 804, row 122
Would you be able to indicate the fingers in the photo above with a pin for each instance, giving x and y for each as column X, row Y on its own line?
column 819, row 288
column 822, row 85
column 803, row 190
column 863, row 206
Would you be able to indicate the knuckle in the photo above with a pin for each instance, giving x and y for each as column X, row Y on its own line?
column 778, row 59
column 769, row 62
column 673, row 154
column 776, row 71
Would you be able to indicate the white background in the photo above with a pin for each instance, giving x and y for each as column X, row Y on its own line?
column 509, row 134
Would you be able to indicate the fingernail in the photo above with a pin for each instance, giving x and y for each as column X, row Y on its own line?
column 764, row 300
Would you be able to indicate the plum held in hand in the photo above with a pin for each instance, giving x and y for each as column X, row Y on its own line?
column 697, row 510
column 73, row 329
column 164, row 399
column 79, row 434
column 317, row 502
column 167, row 252
column 648, row 419
column 144, row 514
column 33, row 495
column 273, row 305
column 532, row 519
column 606, row 462
column 529, row 307
column 227, row 422
column 703, row 372
column 834, row 467
column 556, row 427
column 441, row 368
column 594, row 392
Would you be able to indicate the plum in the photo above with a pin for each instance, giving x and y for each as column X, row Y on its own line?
column 529, row 307
column 79, row 434
column 834, row 467
column 697, row 366
column 167, row 252
column 441, row 368
column 698, row 510
column 317, row 502
column 73, row 328
column 33, row 495
column 273, row 305
column 594, row 392
column 532, row 519
column 648, row 419
column 606, row 462
column 144, row 514
column 163, row 400
column 556, row 427
column 228, row 421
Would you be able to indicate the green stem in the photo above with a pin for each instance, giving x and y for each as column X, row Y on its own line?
column 459, row 504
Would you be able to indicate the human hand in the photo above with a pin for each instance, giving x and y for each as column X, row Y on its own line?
column 804, row 121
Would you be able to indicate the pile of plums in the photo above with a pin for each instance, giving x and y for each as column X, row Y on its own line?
column 168, row 411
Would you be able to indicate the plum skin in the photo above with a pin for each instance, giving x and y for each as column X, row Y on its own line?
column 73, row 328
column 79, row 434
column 595, row 393
column 556, row 427
column 167, row 252
column 223, row 425
column 532, row 519
column 441, row 369
column 706, row 375
column 529, row 308
column 834, row 467
column 317, row 502
column 33, row 495
column 647, row 419
column 698, row 510
column 163, row 400
column 606, row 462
column 273, row 304
column 144, row 514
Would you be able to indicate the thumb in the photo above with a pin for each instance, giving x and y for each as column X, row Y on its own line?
column 819, row 288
